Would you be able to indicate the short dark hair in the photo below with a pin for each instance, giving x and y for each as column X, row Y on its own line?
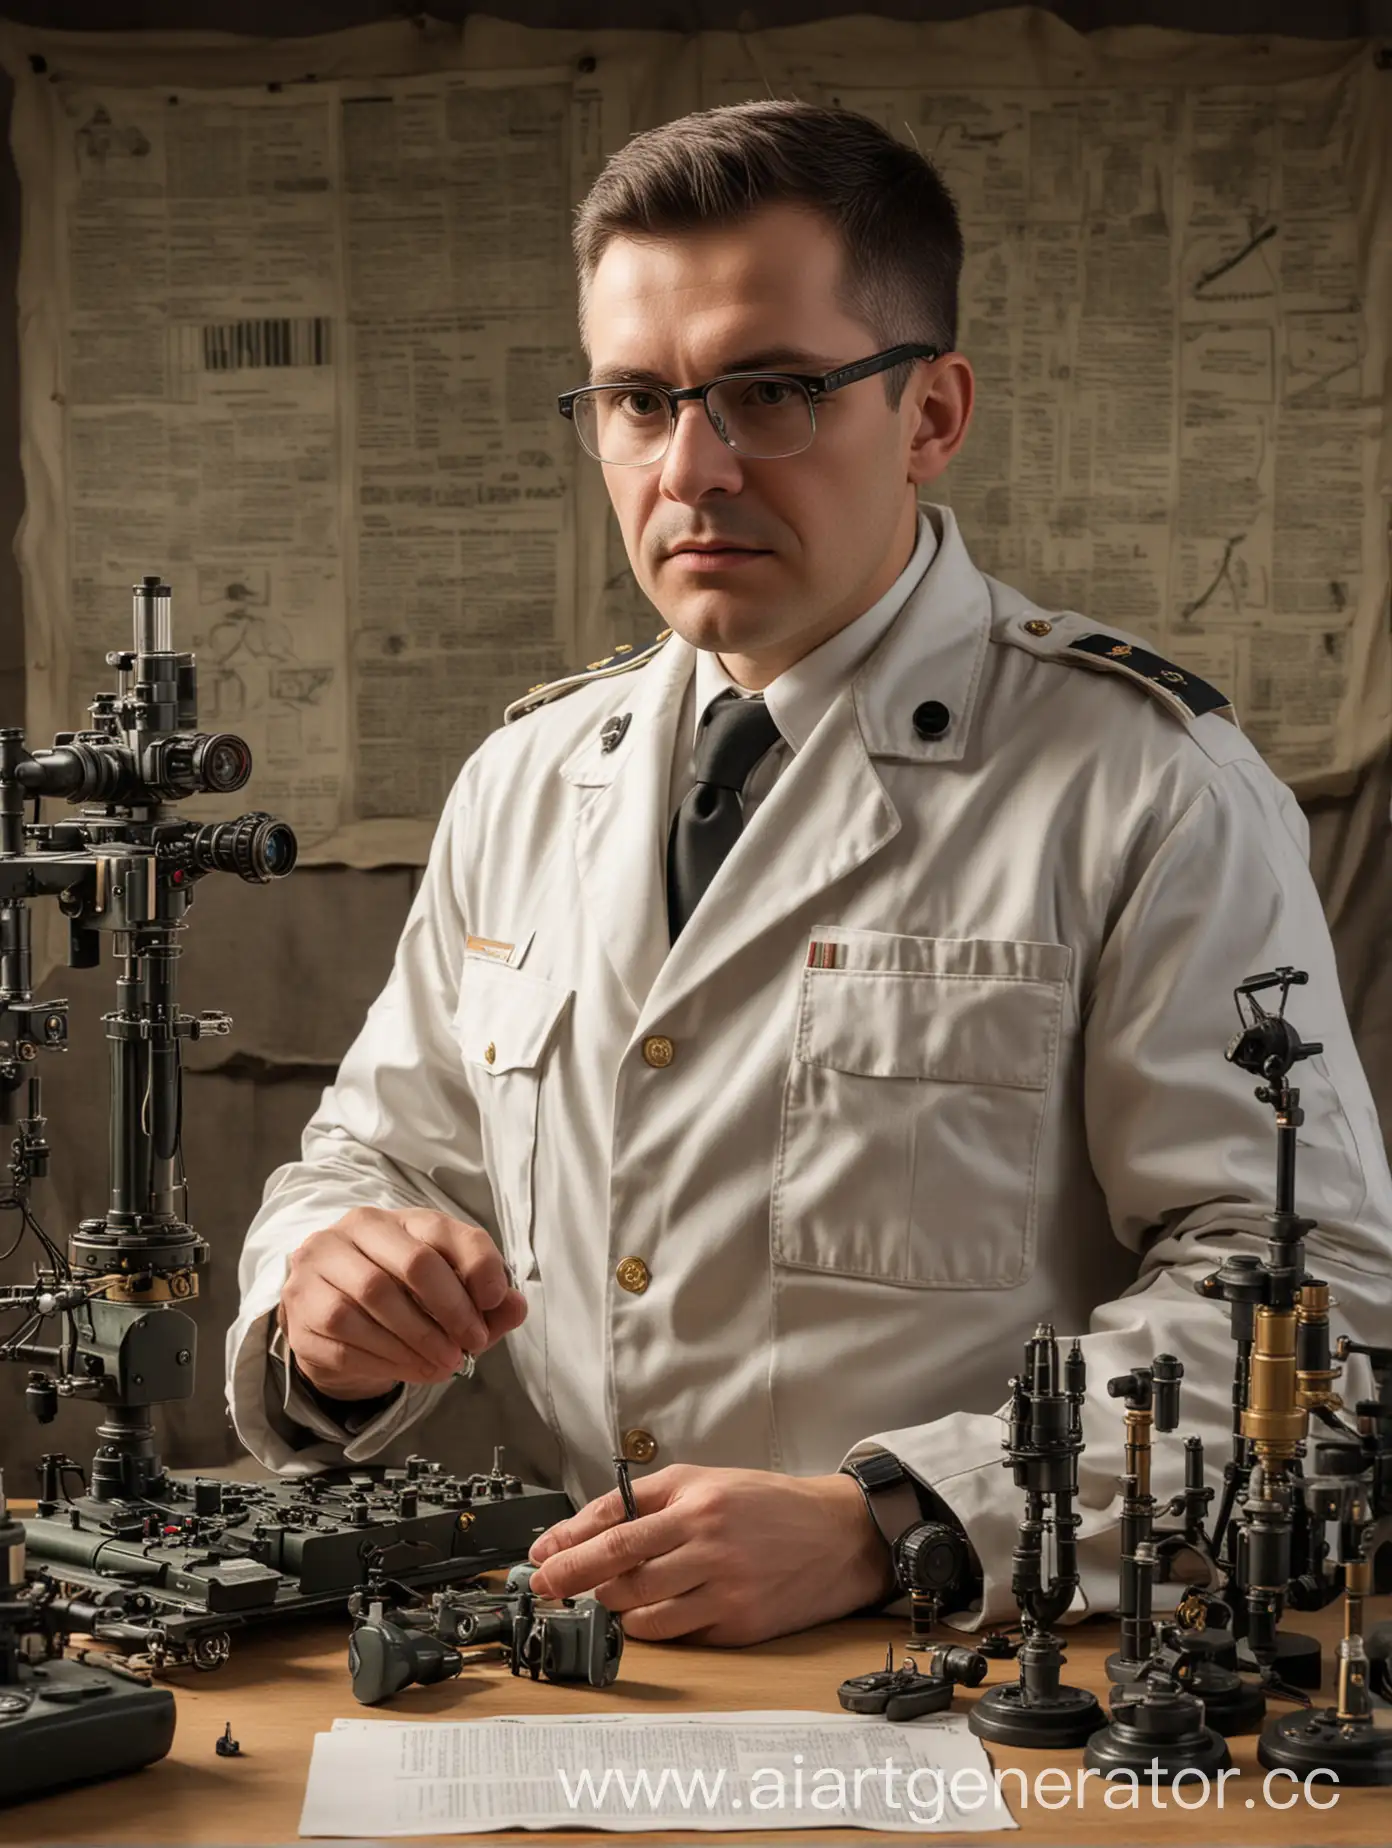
column 894, row 216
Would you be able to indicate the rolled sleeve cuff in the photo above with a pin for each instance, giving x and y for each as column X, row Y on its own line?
column 280, row 1425
column 959, row 1457
column 318, row 1412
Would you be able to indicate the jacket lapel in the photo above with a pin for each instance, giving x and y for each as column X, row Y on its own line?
column 829, row 813
column 621, row 831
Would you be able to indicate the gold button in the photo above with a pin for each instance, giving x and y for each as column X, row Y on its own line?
column 659, row 1051
column 490, row 1053
column 639, row 1446
column 632, row 1274
column 1039, row 627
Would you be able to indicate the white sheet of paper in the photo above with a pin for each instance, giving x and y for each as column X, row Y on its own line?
column 630, row 1772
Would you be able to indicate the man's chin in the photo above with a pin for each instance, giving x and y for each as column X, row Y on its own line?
column 721, row 621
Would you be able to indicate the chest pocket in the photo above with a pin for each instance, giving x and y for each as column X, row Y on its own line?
column 913, row 1111
column 504, row 1024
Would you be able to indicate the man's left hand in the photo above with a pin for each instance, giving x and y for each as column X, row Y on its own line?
column 722, row 1556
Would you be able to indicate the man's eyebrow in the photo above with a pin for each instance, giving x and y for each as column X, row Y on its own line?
column 771, row 359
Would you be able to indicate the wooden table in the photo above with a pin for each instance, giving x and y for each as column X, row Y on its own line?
column 280, row 1688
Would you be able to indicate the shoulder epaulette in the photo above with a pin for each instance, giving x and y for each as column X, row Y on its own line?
column 624, row 658
column 1069, row 639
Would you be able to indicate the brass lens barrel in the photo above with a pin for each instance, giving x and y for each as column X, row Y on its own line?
column 1274, row 1420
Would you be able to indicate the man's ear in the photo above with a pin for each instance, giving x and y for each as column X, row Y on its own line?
column 938, row 406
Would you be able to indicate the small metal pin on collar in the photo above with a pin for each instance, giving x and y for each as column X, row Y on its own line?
column 611, row 734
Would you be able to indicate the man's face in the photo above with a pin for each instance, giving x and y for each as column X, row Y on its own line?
column 812, row 539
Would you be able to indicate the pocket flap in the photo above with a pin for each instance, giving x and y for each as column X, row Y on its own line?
column 505, row 1017
column 955, row 1028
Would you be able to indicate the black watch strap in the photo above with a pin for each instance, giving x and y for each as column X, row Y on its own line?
column 891, row 1493
column 898, row 1503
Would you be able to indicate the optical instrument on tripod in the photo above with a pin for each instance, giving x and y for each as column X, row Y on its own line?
column 170, row 1566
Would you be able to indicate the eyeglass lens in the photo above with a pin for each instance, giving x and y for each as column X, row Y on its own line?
column 629, row 425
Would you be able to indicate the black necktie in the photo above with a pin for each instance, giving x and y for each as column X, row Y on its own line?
column 735, row 733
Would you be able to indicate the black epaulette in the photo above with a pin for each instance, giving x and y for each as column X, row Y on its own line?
column 1069, row 638
column 624, row 658
column 1195, row 695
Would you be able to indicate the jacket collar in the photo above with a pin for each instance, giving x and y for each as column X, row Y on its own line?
column 799, row 698
column 827, row 814
column 936, row 651
column 622, row 819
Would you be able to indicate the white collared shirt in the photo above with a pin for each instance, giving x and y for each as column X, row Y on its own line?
column 801, row 695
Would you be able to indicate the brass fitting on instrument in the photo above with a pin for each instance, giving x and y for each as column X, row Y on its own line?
column 1139, row 1425
column 1314, row 1388
column 1274, row 1421
column 172, row 1287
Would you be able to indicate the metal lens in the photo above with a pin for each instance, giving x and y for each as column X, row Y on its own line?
column 627, row 425
column 221, row 763
column 255, row 847
column 762, row 416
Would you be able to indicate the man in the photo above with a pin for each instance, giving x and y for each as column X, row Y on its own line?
column 809, row 1011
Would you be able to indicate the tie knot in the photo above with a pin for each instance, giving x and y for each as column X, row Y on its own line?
column 735, row 734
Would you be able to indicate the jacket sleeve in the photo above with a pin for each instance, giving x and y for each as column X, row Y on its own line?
column 1186, row 1157
column 397, row 1128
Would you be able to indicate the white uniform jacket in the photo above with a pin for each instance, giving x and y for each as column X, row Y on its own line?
column 866, row 1172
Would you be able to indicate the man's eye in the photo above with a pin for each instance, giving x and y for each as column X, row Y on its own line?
column 639, row 403
column 768, row 394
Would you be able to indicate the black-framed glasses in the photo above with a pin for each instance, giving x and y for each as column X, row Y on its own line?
column 759, row 414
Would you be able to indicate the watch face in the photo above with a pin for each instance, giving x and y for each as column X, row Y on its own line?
column 930, row 1557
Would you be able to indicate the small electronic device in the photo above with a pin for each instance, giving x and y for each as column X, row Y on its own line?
column 914, row 1688
column 398, row 1641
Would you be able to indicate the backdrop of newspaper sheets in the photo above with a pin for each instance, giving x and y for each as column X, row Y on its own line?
column 296, row 345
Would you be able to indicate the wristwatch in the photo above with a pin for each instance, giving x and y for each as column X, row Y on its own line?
column 928, row 1544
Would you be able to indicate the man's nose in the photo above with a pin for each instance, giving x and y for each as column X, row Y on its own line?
column 698, row 462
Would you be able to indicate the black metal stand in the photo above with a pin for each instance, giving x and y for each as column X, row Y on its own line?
column 1157, row 1729
column 1042, row 1446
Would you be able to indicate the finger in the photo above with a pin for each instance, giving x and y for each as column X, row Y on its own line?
column 693, row 1614
column 426, row 1274
column 591, row 1562
column 337, row 1322
column 384, row 1300
column 340, row 1369
column 655, row 1581
column 604, row 1511
column 469, row 1252
column 511, row 1313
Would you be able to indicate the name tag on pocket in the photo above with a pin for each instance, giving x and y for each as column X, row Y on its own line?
column 493, row 949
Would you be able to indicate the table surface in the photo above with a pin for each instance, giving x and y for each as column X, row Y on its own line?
column 283, row 1686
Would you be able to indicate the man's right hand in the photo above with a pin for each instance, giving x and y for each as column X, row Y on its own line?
column 382, row 1297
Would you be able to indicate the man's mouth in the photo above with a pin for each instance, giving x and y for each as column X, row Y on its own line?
column 716, row 554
